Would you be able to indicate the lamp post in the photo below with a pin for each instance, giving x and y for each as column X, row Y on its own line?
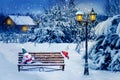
column 89, row 19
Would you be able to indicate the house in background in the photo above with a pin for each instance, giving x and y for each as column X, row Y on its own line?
column 20, row 23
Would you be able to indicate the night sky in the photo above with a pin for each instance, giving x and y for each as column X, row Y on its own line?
column 23, row 6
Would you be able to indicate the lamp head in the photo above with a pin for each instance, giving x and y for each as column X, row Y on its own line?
column 79, row 16
column 92, row 15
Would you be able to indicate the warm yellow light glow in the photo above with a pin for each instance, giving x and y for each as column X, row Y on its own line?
column 92, row 17
column 24, row 28
column 9, row 22
column 79, row 17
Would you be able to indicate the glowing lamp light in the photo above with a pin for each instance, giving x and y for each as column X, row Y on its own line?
column 79, row 16
column 92, row 15
column 24, row 28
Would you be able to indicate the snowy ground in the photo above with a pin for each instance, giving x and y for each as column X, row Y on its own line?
column 73, row 67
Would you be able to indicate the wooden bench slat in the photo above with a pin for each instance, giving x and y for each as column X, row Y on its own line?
column 45, row 55
column 45, row 64
column 51, row 61
column 45, row 59
column 42, row 53
column 53, row 58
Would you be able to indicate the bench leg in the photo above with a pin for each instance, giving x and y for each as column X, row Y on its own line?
column 41, row 69
column 18, row 68
column 63, row 67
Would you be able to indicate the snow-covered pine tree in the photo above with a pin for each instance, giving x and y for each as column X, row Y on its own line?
column 108, row 26
column 71, row 3
column 105, row 53
column 118, row 29
column 112, row 7
column 58, row 25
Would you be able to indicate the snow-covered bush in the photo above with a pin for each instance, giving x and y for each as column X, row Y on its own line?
column 118, row 29
column 107, row 27
column 58, row 24
column 105, row 54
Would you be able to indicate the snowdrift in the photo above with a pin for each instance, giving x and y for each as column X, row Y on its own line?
column 74, row 67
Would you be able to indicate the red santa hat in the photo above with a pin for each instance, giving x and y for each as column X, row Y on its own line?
column 65, row 53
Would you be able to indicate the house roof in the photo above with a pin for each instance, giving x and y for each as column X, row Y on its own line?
column 22, row 20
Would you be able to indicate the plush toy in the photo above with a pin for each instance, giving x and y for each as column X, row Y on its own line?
column 27, row 58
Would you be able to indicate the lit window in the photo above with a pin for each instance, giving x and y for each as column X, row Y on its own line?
column 9, row 22
column 24, row 28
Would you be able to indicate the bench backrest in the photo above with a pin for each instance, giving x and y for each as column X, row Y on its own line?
column 44, row 57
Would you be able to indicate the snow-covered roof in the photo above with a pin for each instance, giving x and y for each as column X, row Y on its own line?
column 22, row 20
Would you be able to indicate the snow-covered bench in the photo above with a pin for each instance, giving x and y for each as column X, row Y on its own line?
column 43, row 60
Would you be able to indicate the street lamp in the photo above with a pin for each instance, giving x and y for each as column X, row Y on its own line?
column 89, row 19
column 92, row 15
